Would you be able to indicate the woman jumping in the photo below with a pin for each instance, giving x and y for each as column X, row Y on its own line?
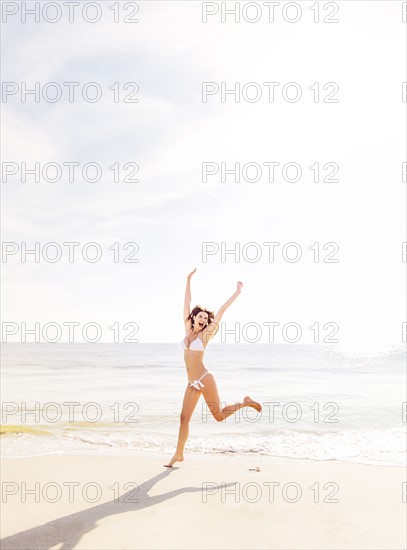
column 200, row 326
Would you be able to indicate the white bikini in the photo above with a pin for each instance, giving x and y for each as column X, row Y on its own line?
column 195, row 345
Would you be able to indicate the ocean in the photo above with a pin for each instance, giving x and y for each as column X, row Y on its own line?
column 319, row 402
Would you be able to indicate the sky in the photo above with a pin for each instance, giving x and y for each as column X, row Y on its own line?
column 173, row 215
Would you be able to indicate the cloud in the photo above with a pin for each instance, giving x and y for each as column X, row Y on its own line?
column 170, row 212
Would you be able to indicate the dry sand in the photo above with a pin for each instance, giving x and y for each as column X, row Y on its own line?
column 134, row 502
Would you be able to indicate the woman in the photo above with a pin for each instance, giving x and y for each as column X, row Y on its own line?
column 200, row 326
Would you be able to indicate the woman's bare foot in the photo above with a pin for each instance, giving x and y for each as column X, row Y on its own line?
column 178, row 457
column 248, row 401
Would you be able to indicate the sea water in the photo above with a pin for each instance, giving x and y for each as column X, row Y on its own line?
column 319, row 402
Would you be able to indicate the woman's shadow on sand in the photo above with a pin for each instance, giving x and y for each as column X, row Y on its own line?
column 69, row 530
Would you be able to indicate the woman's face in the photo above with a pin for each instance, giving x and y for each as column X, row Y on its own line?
column 201, row 320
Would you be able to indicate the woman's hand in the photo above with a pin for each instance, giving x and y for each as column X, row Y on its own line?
column 192, row 273
column 239, row 286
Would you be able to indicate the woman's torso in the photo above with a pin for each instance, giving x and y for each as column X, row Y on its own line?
column 193, row 357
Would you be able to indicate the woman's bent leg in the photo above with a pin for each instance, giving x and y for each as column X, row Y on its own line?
column 211, row 395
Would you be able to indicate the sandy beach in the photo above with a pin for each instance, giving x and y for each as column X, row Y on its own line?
column 227, row 502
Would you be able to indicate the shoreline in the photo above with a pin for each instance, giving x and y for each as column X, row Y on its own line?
column 207, row 501
column 203, row 455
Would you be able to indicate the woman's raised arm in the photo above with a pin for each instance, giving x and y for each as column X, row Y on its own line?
column 223, row 308
column 187, row 300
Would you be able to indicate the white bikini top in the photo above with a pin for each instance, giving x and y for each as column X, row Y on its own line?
column 196, row 344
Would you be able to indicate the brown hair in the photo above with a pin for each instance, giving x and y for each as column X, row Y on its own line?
column 196, row 310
